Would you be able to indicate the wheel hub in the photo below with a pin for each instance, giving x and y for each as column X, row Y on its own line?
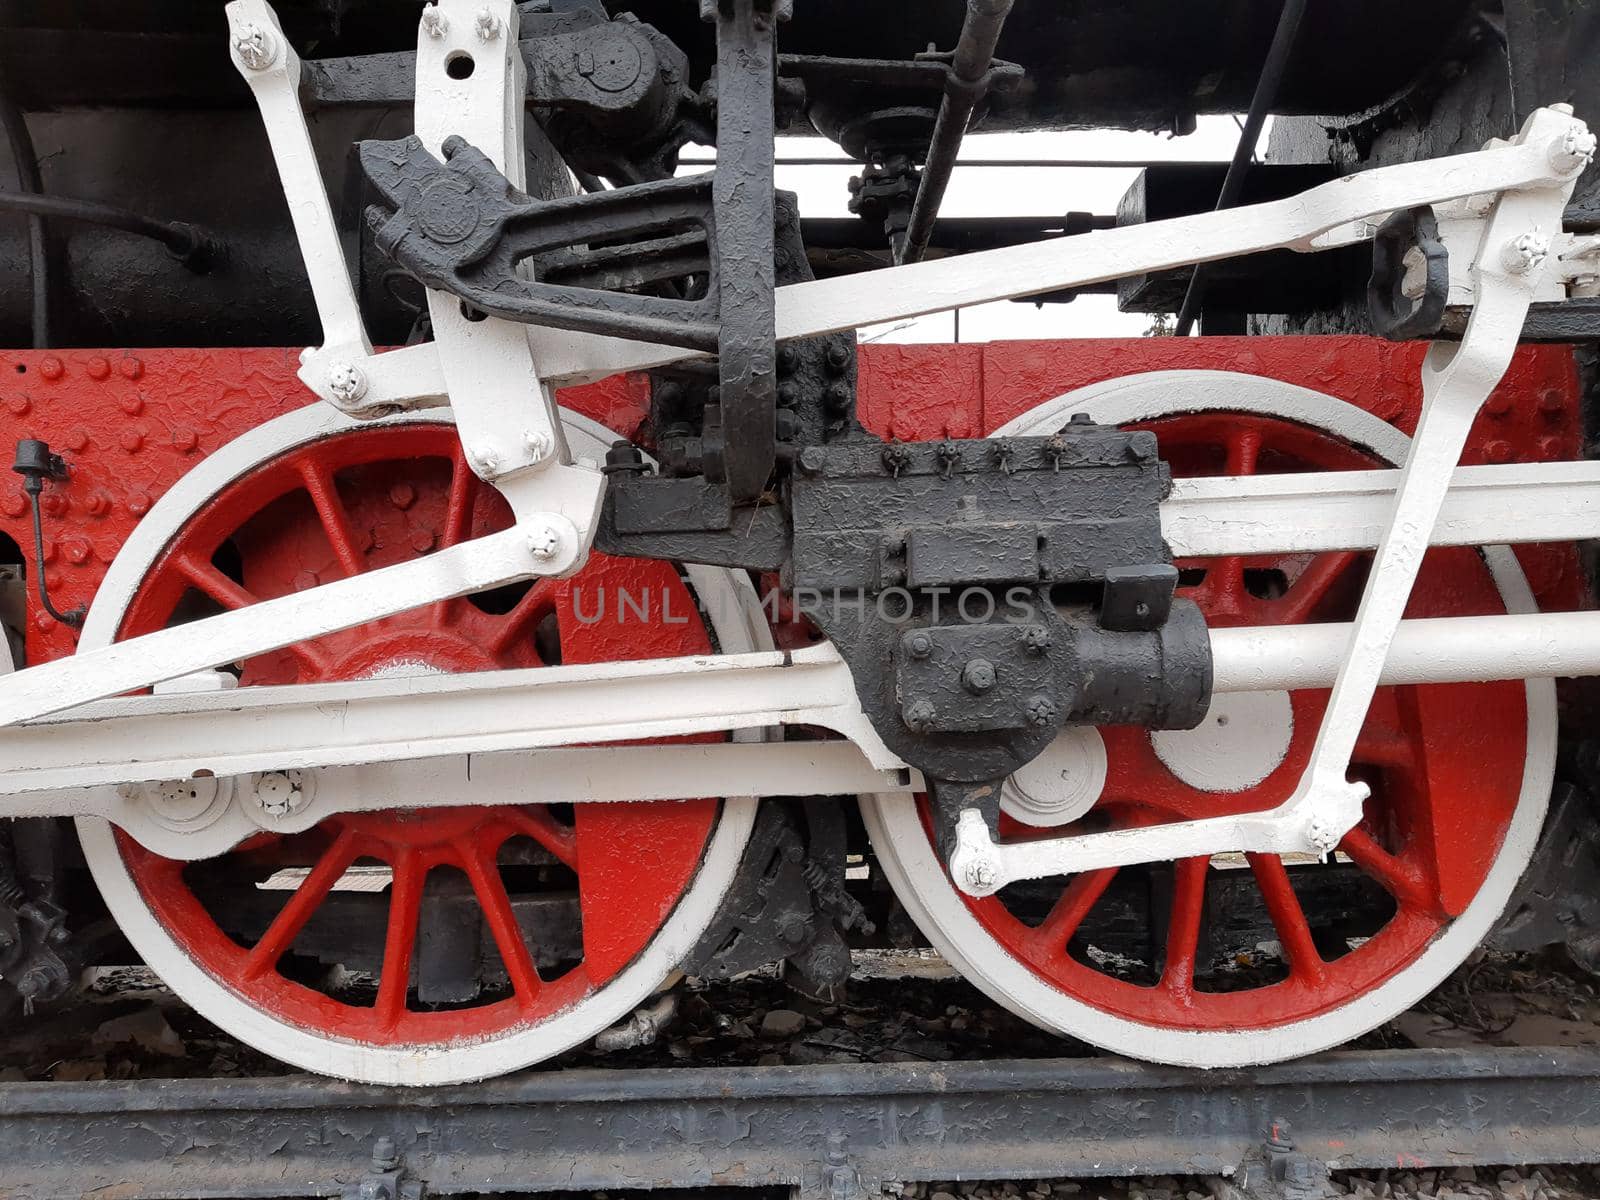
column 1244, row 738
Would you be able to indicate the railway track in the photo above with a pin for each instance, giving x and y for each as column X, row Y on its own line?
column 836, row 1131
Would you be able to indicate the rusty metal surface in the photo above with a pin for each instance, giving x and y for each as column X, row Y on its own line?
column 838, row 1131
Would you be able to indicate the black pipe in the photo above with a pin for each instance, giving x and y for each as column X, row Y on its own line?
column 1261, row 103
column 191, row 245
column 26, row 162
column 969, row 67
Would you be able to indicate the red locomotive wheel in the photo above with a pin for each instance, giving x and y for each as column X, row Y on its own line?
column 1444, row 775
column 1147, row 960
column 553, row 901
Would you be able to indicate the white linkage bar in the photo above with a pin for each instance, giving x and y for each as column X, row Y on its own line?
column 1511, row 257
column 1348, row 510
column 272, row 69
column 1324, row 217
column 243, row 633
column 540, row 724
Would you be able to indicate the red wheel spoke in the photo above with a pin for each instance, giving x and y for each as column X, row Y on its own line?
column 1244, row 448
column 331, row 512
column 1306, row 592
column 1080, row 895
column 1288, row 917
column 539, row 600
column 457, row 519
column 555, row 837
column 1183, row 926
column 1400, row 879
column 1222, row 593
column 463, row 498
column 502, row 921
column 400, row 937
column 208, row 580
column 307, row 898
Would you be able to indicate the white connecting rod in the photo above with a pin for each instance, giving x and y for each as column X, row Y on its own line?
column 229, row 733
column 153, row 658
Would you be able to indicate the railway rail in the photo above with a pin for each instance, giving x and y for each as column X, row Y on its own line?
column 822, row 1131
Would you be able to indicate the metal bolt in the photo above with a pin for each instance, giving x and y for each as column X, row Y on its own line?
column 540, row 445
column 544, row 542
column 131, row 368
column 51, row 368
column 1279, row 1136
column 488, row 461
column 980, row 874
column 919, row 644
column 278, row 793
column 402, row 496
column 1321, row 834
column 346, row 382
column 1525, row 252
column 384, row 1155
column 99, row 368
column 1036, row 638
column 1573, row 151
column 1041, row 710
column 434, row 23
column 486, row 25
column 920, row 716
column 978, row 676
column 255, row 47
column 812, row 460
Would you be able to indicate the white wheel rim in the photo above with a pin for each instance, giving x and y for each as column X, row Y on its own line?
column 734, row 616
column 907, row 857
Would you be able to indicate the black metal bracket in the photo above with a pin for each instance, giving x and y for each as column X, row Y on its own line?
column 36, row 462
column 386, row 1179
column 1410, row 282
column 686, row 262
column 460, row 227
column 745, row 449
column 988, row 592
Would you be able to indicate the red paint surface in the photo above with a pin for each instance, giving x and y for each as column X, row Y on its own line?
column 131, row 422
